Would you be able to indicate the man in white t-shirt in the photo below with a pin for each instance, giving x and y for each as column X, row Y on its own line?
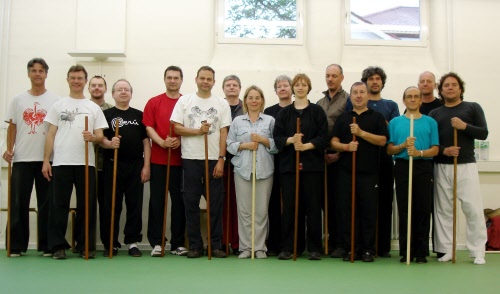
column 27, row 111
column 194, row 116
column 66, row 138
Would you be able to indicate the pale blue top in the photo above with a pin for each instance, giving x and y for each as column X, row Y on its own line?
column 240, row 132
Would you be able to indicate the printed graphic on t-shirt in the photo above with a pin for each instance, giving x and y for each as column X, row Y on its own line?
column 122, row 122
column 69, row 116
column 197, row 116
column 34, row 117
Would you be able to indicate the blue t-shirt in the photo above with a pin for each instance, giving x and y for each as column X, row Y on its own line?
column 425, row 131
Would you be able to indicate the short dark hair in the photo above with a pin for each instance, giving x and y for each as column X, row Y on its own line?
column 299, row 77
column 77, row 68
column 205, row 67
column 231, row 78
column 461, row 84
column 40, row 61
column 357, row 84
column 99, row 77
column 371, row 71
column 281, row 78
column 173, row 68
column 122, row 80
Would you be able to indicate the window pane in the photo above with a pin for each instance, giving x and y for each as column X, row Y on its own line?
column 260, row 19
column 385, row 20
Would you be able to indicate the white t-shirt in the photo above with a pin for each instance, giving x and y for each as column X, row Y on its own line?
column 28, row 113
column 68, row 114
column 190, row 111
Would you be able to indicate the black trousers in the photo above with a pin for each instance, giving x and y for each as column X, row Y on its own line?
column 24, row 174
column 310, row 196
column 130, row 188
column 385, row 199
column 335, row 239
column 194, row 186
column 63, row 179
column 158, row 185
column 100, row 184
column 365, row 210
column 422, row 187
column 274, row 215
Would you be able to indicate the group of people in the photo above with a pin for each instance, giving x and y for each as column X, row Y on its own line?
column 355, row 140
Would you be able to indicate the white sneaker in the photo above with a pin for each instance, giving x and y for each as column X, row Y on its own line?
column 245, row 254
column 479, row 260
column 447, row 257
column 260, row 255
column 181, row 251
column 156, row 252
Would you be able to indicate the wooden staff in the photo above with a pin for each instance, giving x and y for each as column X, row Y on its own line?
column 297, row 168
column 207, row 192
column 455, row 164
column 410, row 194
column 87, row 192
column 228, row 203
column 326, row 209
column 113, row 193
column 9, row 183
column 353, row 196
column 165, row 205
column 253, row 202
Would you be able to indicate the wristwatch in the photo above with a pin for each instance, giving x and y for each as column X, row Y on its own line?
column 223, row 158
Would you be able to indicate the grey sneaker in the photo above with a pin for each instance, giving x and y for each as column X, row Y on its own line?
column 59, row 254
column 194, row 253
column 181, row 251
column 260, row 255
column 218, row 253
column 244, row 254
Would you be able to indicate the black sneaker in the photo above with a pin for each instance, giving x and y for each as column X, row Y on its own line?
column 236, row 251
column 91, row 254
column 421, row 259
column 15, row 253
column 218, row 253
column 47, row 253
column 314, row 256
column 385, row 255
column 285, row 255
column 337, row 253
column 403, row 259
column 106, row 252
column 367, row 257
column 347, row 257
column 59, row 254
column 134, row 252
column 272, row 253
column 194, row 253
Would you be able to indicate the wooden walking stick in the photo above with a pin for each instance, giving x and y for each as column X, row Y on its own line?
column 455, row 164
column 410, row 199
column 113, row 193
column 86, row 192
column 353, row 196
column 326, row 210
column 207, row 192
column 9, row 184
column 297, row 168
column 253, row 202
column 165, row 205
column 228, row 207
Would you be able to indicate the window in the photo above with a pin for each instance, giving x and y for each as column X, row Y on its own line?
column 260, row 21
column 386, row 22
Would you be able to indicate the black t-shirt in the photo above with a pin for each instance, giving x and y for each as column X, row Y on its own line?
column 368, row 154
column 132, row 133
column 273, row 110
column 425, row 108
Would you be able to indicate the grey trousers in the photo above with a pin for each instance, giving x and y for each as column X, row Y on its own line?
column 244, row 201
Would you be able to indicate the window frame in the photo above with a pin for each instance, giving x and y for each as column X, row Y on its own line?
column 299, row 40
column 424, row 30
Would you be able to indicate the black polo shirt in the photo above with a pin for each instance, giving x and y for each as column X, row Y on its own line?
column 370, row 121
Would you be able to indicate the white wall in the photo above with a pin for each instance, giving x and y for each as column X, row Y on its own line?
column 162, row 33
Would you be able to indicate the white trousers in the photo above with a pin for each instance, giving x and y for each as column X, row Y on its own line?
column 244, row 201
column 469, row 194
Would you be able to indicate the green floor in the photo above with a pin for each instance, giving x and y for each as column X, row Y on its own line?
column 33, row 273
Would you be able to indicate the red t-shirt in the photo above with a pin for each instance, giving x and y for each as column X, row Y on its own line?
column 157, row 116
